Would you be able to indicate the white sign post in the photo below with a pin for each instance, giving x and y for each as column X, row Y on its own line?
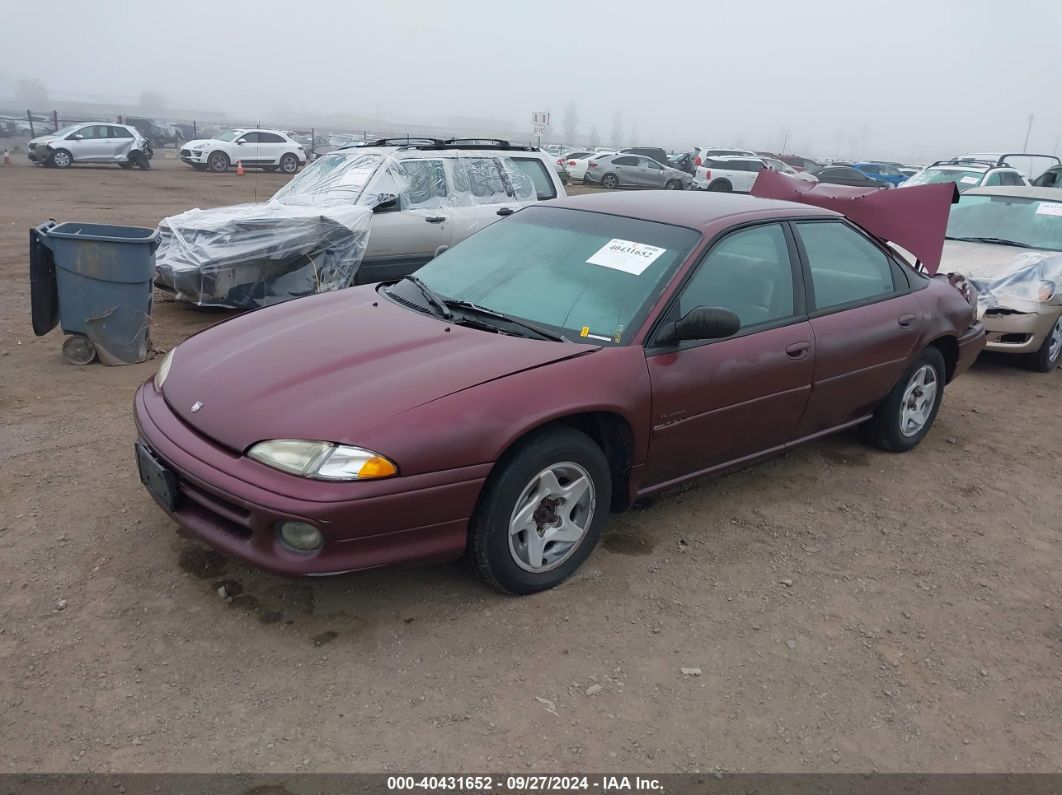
column 539, row 123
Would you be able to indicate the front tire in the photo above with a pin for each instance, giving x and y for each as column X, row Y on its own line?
column 289, row 164
column 906, row 415
column 1046, row 359
column 610, row 181
column 61, row 159
column 218, row 162
column 541, row 513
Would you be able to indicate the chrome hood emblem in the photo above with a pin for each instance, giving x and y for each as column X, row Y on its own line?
column 196, row 406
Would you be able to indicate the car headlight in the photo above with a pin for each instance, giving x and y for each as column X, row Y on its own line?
column 199, row 147
column 164, row 369
column 322, row 460
column 1046, row 291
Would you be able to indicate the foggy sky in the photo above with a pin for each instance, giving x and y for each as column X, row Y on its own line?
column 910, row 80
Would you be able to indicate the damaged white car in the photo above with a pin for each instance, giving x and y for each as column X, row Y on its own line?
column 1008, row 242
column 355, row 216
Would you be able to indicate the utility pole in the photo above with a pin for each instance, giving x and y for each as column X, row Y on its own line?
column 1028, row 132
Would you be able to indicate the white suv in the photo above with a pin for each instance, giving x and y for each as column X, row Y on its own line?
column 970, row 171
column 727, row 173
column 266, row 149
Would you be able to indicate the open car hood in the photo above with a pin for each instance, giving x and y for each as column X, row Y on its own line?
column 913, row 218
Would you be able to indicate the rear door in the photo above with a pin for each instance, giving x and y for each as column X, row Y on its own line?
column 627, row 168
column 865, row 319
column 405, row 237
column 271, row 147
column 120, row 140
column 719, row 401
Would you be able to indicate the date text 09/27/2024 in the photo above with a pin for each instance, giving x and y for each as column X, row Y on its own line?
column 523, row 783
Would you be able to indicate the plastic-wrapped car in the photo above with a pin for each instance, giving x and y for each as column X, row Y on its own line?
column 355, row 216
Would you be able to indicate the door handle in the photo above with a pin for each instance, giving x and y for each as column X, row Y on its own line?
column 435, row 219
column 798, row 350
column 504, row 211
column 906, row 321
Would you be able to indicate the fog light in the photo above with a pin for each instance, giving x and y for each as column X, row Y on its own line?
column 301, row 536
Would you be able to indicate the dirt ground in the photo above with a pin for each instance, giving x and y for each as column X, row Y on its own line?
column 848, row 609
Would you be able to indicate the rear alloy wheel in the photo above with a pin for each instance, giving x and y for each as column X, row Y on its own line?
column 218, row 162
column 907, row 413
column 610, row 181
column 289, row 164
column 1046, row 359
column 541, row 512
column 61, row 158
column 673, row 184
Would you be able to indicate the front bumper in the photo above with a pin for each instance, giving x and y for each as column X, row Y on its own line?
column 39, row 154
column 194, row 156
column 234, row 504
column 1018, row 332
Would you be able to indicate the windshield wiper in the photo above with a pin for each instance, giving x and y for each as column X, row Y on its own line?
column 482, row 311
column 434, row 299
column 999, row 241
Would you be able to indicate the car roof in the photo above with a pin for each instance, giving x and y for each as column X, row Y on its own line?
column 694, row 209
column 1019, row 192
column 413, row 152
column 734, row 157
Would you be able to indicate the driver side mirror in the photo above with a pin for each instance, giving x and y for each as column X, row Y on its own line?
column 385, row 202
column 241, row 141
column 700, row 323
column 76, row 137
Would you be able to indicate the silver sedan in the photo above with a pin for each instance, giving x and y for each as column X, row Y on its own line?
column 635, row 171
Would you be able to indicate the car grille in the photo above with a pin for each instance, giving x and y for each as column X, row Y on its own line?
column 1015, row 339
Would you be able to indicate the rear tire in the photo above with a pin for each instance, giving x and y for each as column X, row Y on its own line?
column 610, row 181
column 721, row 186
column 907, row 413
column 556, row 483
column 673, row 184
column 289, row 164
column 1047, row 357
column 218, row 162
column 125, row 164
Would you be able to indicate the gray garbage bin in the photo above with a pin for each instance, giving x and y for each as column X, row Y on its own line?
column 95, row 281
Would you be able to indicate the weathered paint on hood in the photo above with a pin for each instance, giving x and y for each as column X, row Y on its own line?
column 288, row 372
column 914, row 218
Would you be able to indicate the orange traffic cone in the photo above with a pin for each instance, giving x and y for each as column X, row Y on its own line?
column 7, row 158
column 239, row 168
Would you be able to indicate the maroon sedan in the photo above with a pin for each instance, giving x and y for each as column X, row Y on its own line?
column 544, row 373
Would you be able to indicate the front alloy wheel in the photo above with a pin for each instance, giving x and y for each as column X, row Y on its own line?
column 908, row 411
column 1047, row 358
column 541, row 512
column 551, row 517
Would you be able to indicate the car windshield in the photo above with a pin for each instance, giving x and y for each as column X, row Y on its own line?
column 589, row 276
column 963, row 179
column 228, row 135
column 332, row 178
column 1034, row 223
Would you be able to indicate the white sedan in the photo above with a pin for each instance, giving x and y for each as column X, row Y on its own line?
column 266, row 149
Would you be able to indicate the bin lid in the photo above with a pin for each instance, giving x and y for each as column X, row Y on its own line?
column 108, row 233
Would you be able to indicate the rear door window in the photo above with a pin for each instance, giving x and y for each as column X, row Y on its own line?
column 626, row 160
column 846, row 268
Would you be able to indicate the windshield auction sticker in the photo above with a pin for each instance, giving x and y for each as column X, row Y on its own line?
column 626, row 256
column 1049, row 209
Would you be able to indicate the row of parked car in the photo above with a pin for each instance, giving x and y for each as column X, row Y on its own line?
column 529, row 364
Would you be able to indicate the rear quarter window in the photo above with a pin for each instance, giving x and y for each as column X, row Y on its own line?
column 535, row 170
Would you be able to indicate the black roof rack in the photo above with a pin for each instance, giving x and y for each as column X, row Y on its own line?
column 449, row 143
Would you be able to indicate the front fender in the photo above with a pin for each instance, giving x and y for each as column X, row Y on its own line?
column 477, row 425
